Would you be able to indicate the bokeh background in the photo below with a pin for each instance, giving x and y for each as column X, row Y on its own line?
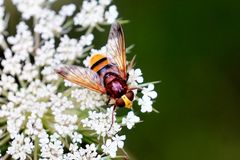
column 193, row 47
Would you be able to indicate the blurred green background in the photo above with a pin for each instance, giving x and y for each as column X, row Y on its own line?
column 193, row 47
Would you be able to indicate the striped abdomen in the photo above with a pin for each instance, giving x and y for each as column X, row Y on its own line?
column 99, row 63
column 116, row 87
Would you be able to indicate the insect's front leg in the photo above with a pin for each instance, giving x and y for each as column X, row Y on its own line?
column 109, row 99
column 113, row 111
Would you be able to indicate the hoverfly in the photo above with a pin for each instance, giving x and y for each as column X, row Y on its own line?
column 107, row 74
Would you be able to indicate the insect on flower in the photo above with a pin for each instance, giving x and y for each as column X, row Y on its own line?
column 107, row 74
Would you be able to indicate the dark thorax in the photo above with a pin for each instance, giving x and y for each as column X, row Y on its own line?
column 115, row 85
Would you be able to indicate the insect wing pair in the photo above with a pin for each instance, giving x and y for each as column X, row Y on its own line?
column 116, row 55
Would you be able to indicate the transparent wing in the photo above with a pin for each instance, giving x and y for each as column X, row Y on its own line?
column 116, row 48
column 81, row 76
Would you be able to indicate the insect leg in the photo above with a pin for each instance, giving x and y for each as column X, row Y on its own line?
column 108, row 101
column 114, row 108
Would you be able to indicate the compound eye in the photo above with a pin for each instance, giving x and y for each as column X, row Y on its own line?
column 120, row 102
column 130, row 95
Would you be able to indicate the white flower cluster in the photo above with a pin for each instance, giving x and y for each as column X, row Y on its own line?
column 101, row 123
column 21, row 147
column 76, row 153
column 42, row 116
column 146, row 102
column 51, row 147
column 88, row 99
column 94, row 12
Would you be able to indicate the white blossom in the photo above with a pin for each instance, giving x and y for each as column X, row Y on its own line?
column 29, row 8
column 44, row 54
column 29, row 72
column 135, row 77
column 22, row 42
column 67, row 10
column 11, row 64
column 70, row 48
column 111, row 14
column 119, row 140
column 65, row 124
column 149, row 91
column 91, row 13
column 146, row 101
column 88, row 99
column 21, row 146
column 90, row 152
column 14, row 123
column 130, row 120
column 101, row 123
column 49, row 74
column 51, row 148
column 8, row 83
column 105, row 2
column 76, row 137
column 86, row 40
column 34, row 125
column 94, row 12
column 146, row 104
column 110, row 147
column 49, row 24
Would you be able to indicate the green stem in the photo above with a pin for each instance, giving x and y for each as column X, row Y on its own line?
column 126, row 155
column 90, row 29
column 3, row 135
column 129, row 48
column 68, row 24
column 4, row 44
column 99, row 28
column 47, row 125
column 36, row 145
column 155, row 110
column 36, row 38
column 68, row 92
column 80, row 29
column 123, row 21
column 5, row 140
column 146, row 84
column 65, row 142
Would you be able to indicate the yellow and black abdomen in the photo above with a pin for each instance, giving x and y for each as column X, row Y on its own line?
column 98, row 63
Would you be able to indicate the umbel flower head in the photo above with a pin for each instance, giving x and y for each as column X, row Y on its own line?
column 45, row 117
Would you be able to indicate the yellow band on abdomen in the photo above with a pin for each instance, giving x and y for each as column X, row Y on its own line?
column 128, row 103
column 100, row 66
